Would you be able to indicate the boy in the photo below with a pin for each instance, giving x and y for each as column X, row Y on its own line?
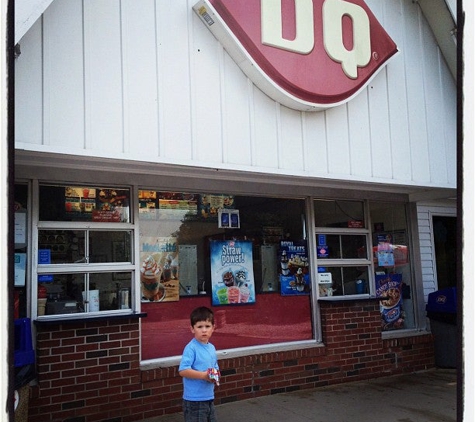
column 198, row 357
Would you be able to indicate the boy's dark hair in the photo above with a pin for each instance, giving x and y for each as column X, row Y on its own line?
column 201, row 314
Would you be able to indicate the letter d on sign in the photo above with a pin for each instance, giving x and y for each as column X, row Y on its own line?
column 360, row 55
column 271, row 26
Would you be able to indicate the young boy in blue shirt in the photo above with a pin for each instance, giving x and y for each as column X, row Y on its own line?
column 198, row 360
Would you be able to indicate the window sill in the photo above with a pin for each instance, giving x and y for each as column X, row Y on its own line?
column 74, row 320
column 365, row 298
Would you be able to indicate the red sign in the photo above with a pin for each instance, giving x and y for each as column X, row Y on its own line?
column 305, row 54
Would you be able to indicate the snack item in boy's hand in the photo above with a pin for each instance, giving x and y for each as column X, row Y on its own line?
column 214, row 374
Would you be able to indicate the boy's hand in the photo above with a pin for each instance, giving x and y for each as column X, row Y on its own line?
column 213, row 375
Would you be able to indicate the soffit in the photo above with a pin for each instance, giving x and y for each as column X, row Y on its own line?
column 63, row 168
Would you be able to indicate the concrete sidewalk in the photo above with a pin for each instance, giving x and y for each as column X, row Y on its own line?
column 429, row 396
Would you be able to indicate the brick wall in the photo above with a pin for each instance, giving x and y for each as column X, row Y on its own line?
column 89, row 371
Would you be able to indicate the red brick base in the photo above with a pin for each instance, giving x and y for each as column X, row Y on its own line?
column 89, row 371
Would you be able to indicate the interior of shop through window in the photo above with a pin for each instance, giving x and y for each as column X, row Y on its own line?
column 223, row 251
column 247, row 257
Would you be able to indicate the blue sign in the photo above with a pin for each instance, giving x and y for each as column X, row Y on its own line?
column 322, row 251
column 44, row 256
column 322, row 239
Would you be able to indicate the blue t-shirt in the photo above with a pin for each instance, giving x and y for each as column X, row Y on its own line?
column 200, row 357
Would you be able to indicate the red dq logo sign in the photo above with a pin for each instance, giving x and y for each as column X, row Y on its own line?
column 305, row 54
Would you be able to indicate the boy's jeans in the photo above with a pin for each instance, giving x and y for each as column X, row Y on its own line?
column 199, row 411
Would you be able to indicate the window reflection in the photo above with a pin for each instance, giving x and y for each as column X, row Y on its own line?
column 339, row 213
column 84, row 203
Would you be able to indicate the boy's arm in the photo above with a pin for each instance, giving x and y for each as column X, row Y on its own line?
column 194, row 374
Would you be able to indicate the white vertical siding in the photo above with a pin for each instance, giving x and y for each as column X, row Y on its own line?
column 63, row 67
column 338, row 146
column 360, row 136
column 426, row 239
column 145, row 80
column 29, row 89
column 401, row 152
column 416, row 95
column 140, row 81
column 237, row 120
column 315, row 145
column 103, row 75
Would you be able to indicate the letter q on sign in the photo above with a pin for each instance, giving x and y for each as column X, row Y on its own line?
column 360, row 55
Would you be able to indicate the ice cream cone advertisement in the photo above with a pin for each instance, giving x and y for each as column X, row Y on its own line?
column 232, row 276
column 159, row 272
column 293, row 268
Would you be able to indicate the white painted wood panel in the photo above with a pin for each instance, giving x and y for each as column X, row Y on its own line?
column 265, row 133
column 426, row 240
column 236, row 115
column 416, row 110
column 174, row 31
column 208, row 62
column 140, row 85
column 29, row 88
column 291, row 140
column 449, row 98
column 379, row 127
column 64, row 67
column 360, row 136
column 434, row 100
column 103, row 77
column 315, row 144
column 401, row 154
column 158, row 87
column 337, row 141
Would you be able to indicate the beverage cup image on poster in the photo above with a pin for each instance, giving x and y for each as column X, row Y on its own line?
column 159, row 271
column 232, row 276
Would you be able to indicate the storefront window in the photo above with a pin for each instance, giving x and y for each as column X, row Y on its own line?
column 223, row 251
column 339, row 213
column 344, row 281
column 84, row 203
column 355, row 258
column 21, row 250
column 392, row 269
column 344, row 265
column 85, row 250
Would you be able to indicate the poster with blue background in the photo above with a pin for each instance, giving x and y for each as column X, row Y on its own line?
column 294, row 268
column 232, row 276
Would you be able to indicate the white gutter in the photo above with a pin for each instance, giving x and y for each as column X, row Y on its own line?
column 27, row 12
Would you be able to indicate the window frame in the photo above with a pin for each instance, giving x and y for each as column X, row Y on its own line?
column 84, row 267
column 347, row 262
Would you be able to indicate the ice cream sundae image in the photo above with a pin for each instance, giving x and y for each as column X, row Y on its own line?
column 150, row 275
column 228, row 279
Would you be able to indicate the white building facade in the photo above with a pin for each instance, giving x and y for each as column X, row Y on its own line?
column 137, row 100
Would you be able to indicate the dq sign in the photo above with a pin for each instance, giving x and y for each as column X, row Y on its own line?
column 305, row 54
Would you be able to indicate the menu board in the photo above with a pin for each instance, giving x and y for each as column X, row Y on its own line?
column 232, row 276
column 97, row 204
column 209, row 205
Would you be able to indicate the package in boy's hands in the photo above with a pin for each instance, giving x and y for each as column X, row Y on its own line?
column 214, row 374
